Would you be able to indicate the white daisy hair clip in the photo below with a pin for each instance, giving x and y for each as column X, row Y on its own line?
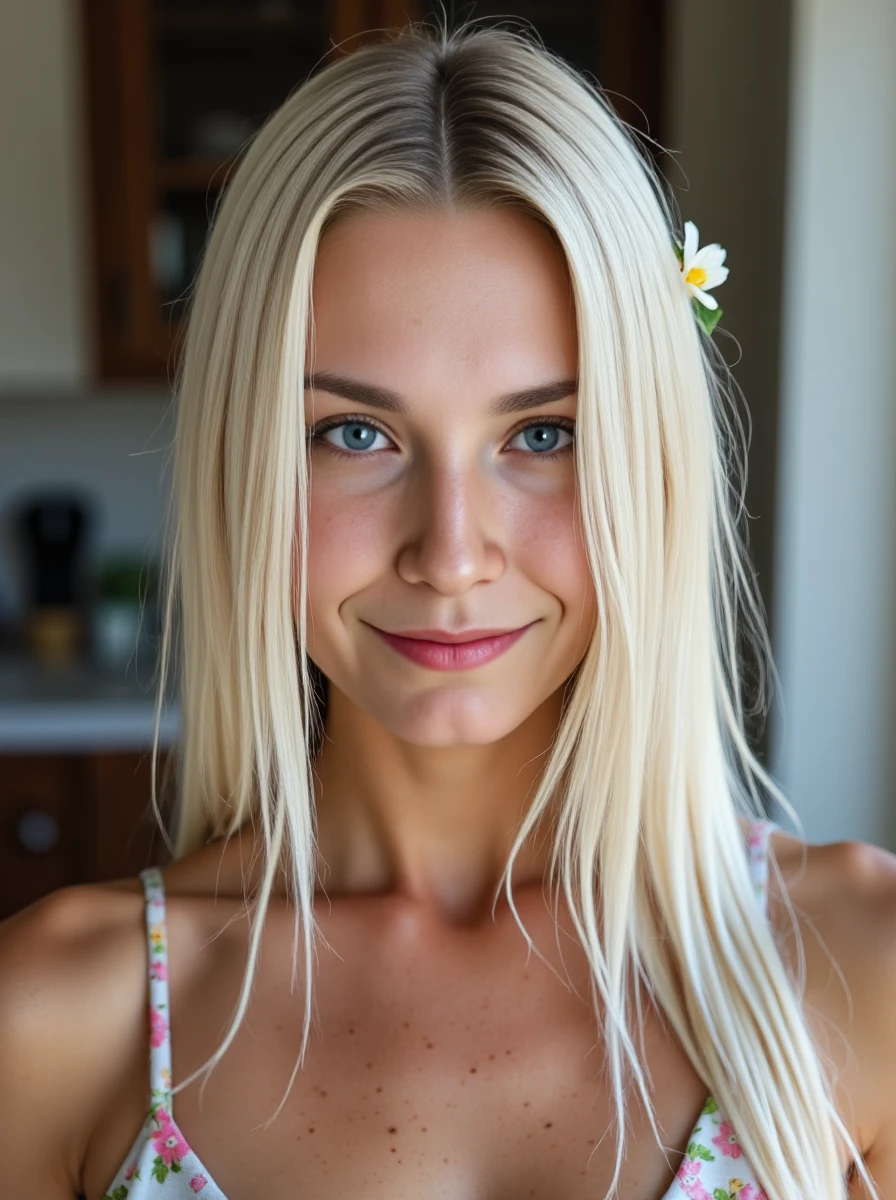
column 701, row 270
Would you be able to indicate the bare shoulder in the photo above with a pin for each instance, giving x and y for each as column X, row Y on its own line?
column 844, row 900
column 846, row 891
column 71, row 1012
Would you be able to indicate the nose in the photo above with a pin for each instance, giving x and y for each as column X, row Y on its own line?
column 452, row 538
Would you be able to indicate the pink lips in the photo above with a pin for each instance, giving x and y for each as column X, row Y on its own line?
column 452, row 656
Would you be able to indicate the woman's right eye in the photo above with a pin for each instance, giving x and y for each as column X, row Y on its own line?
column 348, row 437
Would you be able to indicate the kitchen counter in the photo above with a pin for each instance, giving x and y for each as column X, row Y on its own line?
column 79, row 706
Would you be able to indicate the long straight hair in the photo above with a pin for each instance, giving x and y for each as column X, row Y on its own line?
column 650, row 756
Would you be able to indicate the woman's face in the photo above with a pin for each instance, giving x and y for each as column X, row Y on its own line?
column 438, row 502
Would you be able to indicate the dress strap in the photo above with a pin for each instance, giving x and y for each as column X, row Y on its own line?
column 757, row 850
column 159, row 1012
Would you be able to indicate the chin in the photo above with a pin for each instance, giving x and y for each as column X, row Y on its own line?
column 451, row 718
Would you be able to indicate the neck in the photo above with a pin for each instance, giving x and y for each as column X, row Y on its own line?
column 434, row 825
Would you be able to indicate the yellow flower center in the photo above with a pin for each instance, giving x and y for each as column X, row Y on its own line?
column 696, row 276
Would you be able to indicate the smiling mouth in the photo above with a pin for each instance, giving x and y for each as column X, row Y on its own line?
column 457, row 655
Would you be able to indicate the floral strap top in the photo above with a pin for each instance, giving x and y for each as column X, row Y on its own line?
column 162, row 1166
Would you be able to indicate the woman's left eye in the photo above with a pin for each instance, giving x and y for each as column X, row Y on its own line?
column 350, row 436
column 545, row 438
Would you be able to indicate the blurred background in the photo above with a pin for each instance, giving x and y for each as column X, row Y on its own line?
column 776, row 124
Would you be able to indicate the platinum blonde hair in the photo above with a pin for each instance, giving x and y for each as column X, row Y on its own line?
column 654, row 783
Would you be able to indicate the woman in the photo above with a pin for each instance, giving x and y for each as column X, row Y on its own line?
column 459, row 593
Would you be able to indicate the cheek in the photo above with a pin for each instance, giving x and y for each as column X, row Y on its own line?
column 546, row 544
column 347, row 547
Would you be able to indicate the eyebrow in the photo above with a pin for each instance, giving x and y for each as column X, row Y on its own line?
column 379, row 397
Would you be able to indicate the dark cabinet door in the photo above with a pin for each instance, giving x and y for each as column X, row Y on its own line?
column 121, row 834
column 67, row 819
column 40, row 803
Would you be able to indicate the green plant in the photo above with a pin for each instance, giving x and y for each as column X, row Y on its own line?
column 126, row 578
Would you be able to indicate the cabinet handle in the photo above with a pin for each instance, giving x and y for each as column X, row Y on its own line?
column 37, row 831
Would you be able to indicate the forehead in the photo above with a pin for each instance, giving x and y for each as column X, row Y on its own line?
column 423, row 301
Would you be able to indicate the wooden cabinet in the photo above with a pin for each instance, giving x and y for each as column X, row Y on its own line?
column 176, row 86
column 73, row 819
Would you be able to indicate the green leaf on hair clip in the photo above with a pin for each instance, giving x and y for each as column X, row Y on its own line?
column 679, row 250
column 707, row 318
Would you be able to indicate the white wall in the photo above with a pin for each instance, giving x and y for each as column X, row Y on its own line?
column 44, row 326
column 836, row 611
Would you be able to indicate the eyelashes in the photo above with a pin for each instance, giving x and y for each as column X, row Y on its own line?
column 314, row 435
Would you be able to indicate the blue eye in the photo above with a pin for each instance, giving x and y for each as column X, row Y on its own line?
column 544, row 438
column 350, row 436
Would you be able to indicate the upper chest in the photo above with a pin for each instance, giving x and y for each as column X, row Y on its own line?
column 443, row 1062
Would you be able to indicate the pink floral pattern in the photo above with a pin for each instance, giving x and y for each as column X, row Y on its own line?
column 158, row 1028
column 689, row 1178
column 726, row 1141
column 163, row 1166
column 168, row 1140
column 701, row 1169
